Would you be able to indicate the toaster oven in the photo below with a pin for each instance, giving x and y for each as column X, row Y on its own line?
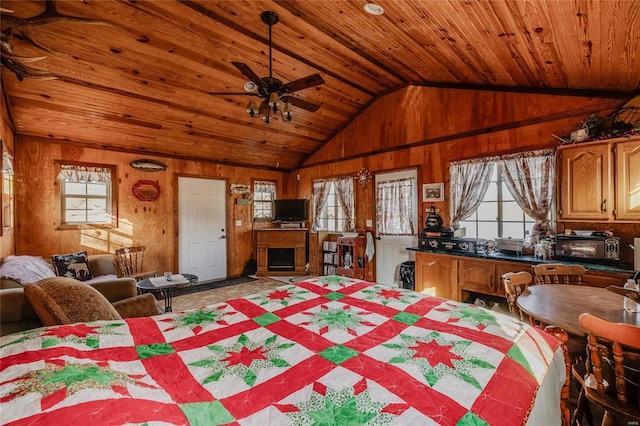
column 591, row 248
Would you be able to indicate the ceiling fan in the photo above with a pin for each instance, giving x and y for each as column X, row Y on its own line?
column 272, row 90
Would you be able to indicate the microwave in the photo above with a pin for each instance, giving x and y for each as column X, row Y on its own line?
column 588, row 249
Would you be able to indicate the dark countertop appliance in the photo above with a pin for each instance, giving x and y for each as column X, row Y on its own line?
column 466, row 245
column 593, row 248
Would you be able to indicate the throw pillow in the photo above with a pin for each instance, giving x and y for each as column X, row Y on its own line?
column 74, row 265
column 62, row 300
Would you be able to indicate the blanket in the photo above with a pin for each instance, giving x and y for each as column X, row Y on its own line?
column 327, row 350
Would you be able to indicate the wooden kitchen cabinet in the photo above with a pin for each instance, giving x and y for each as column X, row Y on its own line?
column 437, row 275
column 477, row 275
column 599, row 181
column 627, row 156
column 485, row 275
column 585, row 182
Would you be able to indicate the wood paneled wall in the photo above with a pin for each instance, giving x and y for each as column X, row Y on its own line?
column 7, row 237
column 427, row 128
column 149, row 223
column 417, row 127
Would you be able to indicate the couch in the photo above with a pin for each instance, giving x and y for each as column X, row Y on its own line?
column 17, row 314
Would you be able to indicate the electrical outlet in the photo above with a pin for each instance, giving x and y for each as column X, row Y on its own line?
column 238, row 222
column 369, row 222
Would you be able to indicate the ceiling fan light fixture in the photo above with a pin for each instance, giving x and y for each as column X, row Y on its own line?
column 274, row 100
column 287, row 111
column 252, row 109
column 373, row 9
column 272, row 90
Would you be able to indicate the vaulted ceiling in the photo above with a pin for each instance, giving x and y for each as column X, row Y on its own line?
column 143, row 82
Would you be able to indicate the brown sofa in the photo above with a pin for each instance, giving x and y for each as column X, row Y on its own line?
column 17, row 314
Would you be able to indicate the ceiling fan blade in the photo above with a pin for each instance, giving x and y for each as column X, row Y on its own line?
column 248, row 72
column 303, row 83
column 303, row 104
column 232, row 93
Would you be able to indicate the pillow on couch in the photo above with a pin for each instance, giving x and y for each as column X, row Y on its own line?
column 74, row 265
column 26, row 269
column 61, row 300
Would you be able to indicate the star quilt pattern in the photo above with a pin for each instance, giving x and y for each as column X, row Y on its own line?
column 324, row 351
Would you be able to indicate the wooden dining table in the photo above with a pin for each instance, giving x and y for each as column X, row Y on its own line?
column 562, row 304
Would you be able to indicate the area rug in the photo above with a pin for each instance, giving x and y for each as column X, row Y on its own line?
column 216, row 284
column 198, row 299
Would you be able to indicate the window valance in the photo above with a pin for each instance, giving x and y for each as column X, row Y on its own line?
column 73, row 173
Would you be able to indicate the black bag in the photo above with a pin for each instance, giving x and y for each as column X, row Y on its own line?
column 250, row 267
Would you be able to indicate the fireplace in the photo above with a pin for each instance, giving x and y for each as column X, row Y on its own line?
column 281, row 259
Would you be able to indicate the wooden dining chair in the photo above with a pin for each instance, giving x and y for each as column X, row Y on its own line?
column 515, row 283
column 131, row 263
column 557, row 273
column 610, row 377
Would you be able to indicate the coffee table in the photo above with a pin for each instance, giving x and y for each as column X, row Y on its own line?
column 168, row 291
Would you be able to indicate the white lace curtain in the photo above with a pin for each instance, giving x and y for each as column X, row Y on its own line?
column 344, row 192
column 320, row 196
column 530, row 178
column 394, row 200
column 469, row 183
column 7, row 164
column 265, row 187
column 72, row 173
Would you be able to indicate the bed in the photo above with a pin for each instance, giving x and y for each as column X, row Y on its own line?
column 326, row 350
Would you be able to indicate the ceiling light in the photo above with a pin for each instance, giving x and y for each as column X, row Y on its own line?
column 250, row 86
column 373, row 9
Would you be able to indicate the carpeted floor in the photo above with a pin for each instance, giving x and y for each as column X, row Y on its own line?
column 195, row 298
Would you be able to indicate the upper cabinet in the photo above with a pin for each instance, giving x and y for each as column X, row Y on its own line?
column 628, row 180
column 599, row 181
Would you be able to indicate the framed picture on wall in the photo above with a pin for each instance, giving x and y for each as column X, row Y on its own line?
column 433, row 192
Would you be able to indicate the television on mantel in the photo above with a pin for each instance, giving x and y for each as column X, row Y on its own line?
column 290, row 210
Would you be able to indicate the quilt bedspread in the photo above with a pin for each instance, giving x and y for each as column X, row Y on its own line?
column 327, row 350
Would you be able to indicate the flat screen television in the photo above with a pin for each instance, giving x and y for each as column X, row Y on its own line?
column 290, row 210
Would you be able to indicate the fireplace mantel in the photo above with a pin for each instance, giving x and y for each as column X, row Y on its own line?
column 281, row 251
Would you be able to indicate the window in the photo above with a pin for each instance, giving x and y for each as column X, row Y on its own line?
column 331, row 213
column 264, row 192
column 498, row 215
column 86, row 195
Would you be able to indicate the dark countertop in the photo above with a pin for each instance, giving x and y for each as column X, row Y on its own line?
column 622, row 268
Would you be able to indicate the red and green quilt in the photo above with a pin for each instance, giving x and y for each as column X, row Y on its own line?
column 325, row 351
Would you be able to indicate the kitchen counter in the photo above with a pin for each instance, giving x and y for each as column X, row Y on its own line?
column 623, row 268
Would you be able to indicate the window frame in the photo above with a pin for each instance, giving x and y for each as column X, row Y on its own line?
column 339, row 218
column 112, row 199
column 255, row 200
column 527, row 221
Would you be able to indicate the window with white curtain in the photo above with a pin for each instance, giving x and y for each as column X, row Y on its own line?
column 394, row 211
column 519, row 195
column 333, row 205
column 86, row 194
column 264, row 192
column 498, row 215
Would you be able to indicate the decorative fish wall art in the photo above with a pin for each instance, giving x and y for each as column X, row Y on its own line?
column 148, row 165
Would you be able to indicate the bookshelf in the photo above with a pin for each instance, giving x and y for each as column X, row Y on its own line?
column 329, row 257
column 352, row 261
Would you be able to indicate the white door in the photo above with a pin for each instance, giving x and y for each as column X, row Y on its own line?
column 391, row 250
column 202, row 231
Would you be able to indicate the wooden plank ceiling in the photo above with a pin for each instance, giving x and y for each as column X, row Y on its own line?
column 142, row 84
